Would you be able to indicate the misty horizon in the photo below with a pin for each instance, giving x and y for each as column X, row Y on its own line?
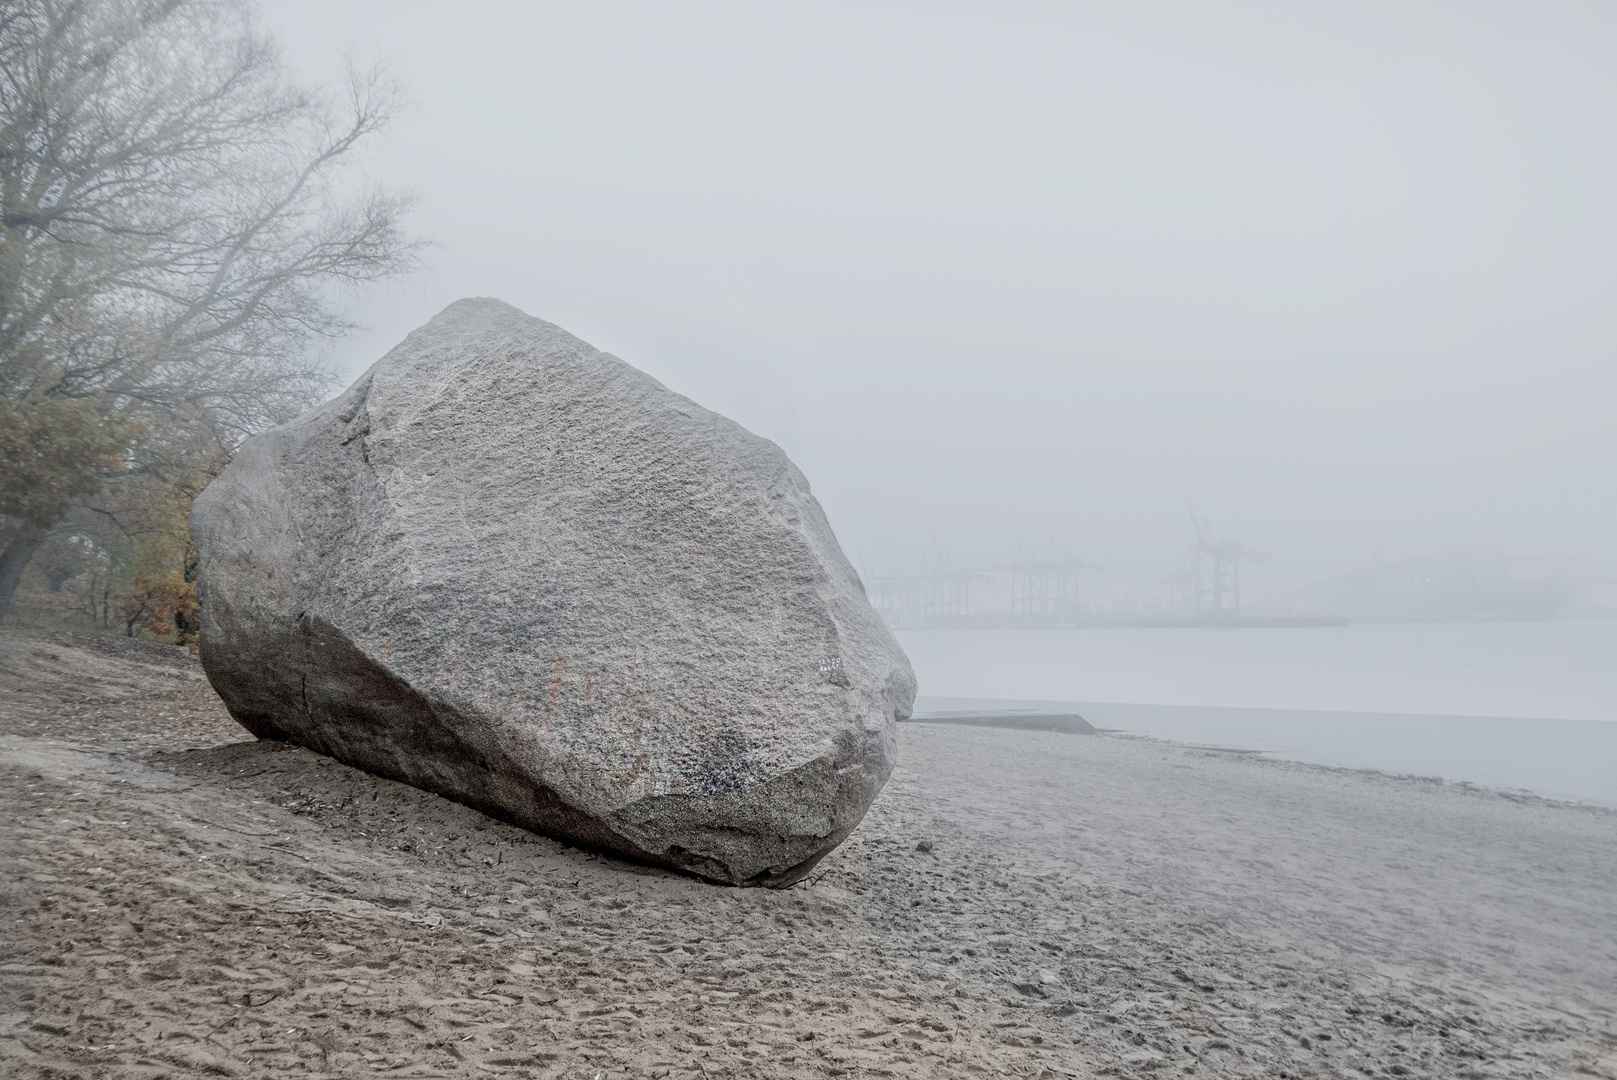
column 1031, row 277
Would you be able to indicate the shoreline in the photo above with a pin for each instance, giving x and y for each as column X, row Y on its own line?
column 1268, row 756
column 184, row 899
column 1558, row 760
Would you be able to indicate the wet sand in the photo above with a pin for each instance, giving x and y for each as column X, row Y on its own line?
column 180, row 901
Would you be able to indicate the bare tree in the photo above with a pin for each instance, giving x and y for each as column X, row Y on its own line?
column 177, row 221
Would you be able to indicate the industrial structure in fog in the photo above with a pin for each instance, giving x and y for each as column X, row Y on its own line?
column 1033, row 592
column 1209, row 586
column 1029, row 592
column 1207, row 591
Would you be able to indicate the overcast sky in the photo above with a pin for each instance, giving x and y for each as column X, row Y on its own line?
column 1029, row 274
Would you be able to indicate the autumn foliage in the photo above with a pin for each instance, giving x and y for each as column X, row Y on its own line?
column 53, row 451
column 175, row 211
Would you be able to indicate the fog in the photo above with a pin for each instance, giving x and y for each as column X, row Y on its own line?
column 1215, row 399
column 1030, row 274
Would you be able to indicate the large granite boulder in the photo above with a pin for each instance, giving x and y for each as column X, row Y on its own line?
column 511, row 569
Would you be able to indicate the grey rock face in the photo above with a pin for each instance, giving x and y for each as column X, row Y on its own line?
column 511, row 569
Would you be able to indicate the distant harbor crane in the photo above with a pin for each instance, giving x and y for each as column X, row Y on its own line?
column 1043, row 592
column 1046, row 588
column 1215, row 572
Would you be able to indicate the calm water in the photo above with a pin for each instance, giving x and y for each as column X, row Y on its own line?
column 1565, row 670
column 1510, row 705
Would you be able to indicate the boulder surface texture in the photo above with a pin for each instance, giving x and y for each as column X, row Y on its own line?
column 513, row 570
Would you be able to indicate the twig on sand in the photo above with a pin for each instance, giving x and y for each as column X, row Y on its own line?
column 228, row 828
column 813, row 880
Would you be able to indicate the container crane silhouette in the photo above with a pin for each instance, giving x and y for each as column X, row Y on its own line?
column 1215, row 573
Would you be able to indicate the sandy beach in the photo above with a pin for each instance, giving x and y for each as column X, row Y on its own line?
column 180, row 901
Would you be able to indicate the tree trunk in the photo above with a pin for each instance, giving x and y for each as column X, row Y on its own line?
column 12, row 563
